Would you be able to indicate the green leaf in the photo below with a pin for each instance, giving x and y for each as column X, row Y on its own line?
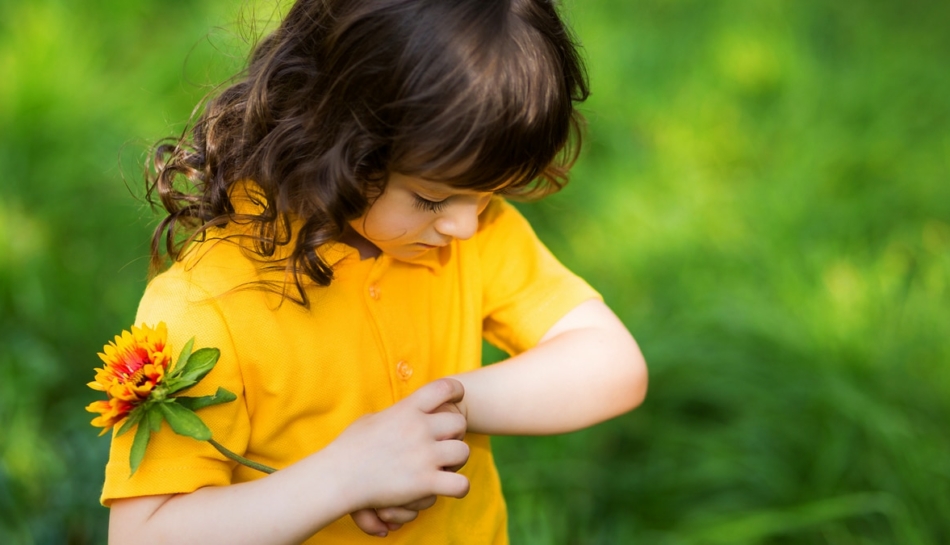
column 176, row 384
column 142, row 435
column 155, row 418
column 195, row 403
column 200, row 363
column 184, row 422
column 183, row 357
column 134, row 417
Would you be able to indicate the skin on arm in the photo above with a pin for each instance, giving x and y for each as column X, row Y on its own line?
column 586, row 369
column 394, row 457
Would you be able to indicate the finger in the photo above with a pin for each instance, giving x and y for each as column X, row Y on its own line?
column 447, row 426
column 452, row 454
column 396, row 515
column 421, row 504
column 453, row 485
column 447, row 408
column 369, row 522
column 435, row 393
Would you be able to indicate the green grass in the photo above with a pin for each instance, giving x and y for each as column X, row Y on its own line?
column 763, row 199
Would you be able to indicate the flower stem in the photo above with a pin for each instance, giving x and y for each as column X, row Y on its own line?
column 240, row 459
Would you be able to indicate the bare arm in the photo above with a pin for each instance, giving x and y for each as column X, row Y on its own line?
column 587, row 368
column 394, row 457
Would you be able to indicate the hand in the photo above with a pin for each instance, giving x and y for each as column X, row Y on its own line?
column 380, row 521
column 398, row 456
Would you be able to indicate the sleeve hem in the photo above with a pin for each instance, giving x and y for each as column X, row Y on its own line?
column 163, row 481
column 543, row 315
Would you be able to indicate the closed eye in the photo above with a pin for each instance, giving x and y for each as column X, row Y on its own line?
column 427, row 205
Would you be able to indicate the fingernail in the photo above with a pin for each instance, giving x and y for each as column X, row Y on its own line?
column 382, row 534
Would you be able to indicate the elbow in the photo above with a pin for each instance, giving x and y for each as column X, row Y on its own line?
column 637, row 388
column 630, row 382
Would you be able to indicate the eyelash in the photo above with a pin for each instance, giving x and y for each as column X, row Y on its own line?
column 430, row 206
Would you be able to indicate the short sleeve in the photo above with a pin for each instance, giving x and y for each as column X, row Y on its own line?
column 174, row 463
column 526, row 290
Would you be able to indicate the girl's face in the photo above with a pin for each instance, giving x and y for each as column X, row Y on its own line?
column 414, row 215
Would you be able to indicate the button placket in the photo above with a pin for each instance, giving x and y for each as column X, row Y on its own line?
column 389, row 320
column 371, row 293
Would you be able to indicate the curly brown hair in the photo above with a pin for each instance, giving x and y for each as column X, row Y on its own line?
column 479, row 94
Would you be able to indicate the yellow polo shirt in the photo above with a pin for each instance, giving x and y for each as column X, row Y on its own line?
column 382, row 329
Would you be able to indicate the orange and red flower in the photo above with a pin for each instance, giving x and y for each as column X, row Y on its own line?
column 135, row 364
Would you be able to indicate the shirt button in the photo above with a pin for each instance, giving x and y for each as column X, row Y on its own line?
column 374, row 291
column 404, row 370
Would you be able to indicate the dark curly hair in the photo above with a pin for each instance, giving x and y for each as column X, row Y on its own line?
column 478, row 94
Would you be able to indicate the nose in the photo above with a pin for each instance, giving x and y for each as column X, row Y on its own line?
column 459, row 221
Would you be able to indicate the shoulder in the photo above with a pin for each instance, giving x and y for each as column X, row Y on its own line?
column 501, row 222
column 498, row 213
column 526, row 288
column 224, row 261
column 206, row 275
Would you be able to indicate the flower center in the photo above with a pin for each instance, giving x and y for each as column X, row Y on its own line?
column 137, row 377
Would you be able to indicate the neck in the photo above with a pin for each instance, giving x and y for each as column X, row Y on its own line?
column 366, row 248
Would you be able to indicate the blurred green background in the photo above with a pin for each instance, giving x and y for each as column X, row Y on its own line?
column 763, row 199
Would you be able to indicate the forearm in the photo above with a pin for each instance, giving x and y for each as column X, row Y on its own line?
column 286, row 507
column 571, row 380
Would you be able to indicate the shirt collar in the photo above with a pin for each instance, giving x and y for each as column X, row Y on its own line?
column 434, row 258
column 333, row 253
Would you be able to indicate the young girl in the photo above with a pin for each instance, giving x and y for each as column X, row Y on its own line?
column 347, row 250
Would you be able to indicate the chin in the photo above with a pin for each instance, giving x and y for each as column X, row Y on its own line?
column 408, row 254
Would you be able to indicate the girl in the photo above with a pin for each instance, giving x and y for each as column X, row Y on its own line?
column 346, row 248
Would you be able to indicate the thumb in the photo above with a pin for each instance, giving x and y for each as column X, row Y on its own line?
column 433, row 395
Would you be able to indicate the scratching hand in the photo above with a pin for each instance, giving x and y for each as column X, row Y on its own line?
column 434, row 406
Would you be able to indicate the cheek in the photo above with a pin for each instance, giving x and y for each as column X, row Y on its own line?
column 383, row 224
